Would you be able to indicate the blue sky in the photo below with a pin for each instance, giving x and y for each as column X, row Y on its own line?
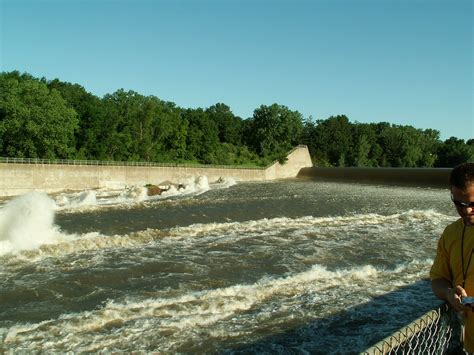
column 407, row 62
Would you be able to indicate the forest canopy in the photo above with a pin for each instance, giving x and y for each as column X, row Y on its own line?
column 51, row 119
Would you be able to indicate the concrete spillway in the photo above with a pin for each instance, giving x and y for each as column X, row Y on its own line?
column 21, row 177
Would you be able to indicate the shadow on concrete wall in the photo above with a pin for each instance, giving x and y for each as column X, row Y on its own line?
column 422, row 177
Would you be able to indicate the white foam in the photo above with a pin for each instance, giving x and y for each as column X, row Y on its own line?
column 175, row 317
column 133, row 194
column 249, row 228
column 130, row 195
column 26, row 223
column 76, row 200
column 195, row 185
column 225, row 182
column 184, row 314
column 227, row 311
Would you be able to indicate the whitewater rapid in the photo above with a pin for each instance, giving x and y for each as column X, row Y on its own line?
column 327, row 282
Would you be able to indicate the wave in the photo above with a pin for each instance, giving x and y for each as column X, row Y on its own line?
column 28, row 233
column 165, row 323
column 27, row 226
column 420, row 218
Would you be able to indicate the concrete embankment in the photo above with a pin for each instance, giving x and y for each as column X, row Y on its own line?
column 16, row 179
column 423, row 177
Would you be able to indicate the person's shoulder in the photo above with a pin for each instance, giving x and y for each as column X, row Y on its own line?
column 453, row 228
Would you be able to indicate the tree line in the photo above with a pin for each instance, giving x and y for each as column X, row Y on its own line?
column 51, row 119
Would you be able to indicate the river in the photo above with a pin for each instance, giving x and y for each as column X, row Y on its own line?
column 288, row 266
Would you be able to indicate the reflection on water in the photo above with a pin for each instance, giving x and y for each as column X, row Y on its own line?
column 254, row 267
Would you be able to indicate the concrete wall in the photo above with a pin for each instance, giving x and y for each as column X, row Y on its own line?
column 423, row 177
column 16, row 179
column 298, row 158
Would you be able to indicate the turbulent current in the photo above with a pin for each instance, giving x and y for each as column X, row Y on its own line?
column 277, row 267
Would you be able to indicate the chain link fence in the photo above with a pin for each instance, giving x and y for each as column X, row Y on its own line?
column 436, row 332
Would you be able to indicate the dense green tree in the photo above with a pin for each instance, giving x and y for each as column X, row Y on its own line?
column 367, row 150
column 274, row 130
column 176, row 140
column 88, row 108
column 49, row 119
column 338, row 142
column 405, row 146
column 202, row 139
column 334, row 140
column 309, row 137
column 167, row 133
column 453, row 152
column 34, row 120
column 229, row 126
column 363, row 150
column 235, row 155
column 429, row 146
column 114, row 127
column 135, row 127
column 390, row 143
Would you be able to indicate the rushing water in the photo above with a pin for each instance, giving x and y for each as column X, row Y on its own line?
column 276, row 267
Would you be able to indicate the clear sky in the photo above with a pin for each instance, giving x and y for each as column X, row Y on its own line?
column 407, row 62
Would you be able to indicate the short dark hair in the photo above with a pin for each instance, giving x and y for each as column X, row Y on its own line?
column 462, row 176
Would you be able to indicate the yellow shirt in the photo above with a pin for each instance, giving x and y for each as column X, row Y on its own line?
column 448, row 265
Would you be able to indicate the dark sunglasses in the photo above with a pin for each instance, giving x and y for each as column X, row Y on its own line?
column 462, row 204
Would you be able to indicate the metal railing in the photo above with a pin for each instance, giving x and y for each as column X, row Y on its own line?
column 436, row 332
column 7, row 160
column 120, row 163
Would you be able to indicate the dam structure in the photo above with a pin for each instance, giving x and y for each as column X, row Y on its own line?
column 324, row 214
column 18, row 176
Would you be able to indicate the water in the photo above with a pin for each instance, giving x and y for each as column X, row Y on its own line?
column 278, row 267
